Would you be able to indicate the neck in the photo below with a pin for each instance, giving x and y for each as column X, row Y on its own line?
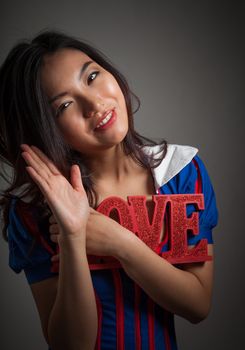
column 112, row 165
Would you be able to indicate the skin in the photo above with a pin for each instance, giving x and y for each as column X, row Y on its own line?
column 87, row 98
column 79, row 229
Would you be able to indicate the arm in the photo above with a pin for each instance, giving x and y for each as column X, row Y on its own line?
column 66, row 302
column 68, row 310
column 72, row 322
column 185, row 292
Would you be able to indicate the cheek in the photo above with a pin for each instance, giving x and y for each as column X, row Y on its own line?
column 74, row 138
column 67, row 134
column 111, row 87
column 68, row 130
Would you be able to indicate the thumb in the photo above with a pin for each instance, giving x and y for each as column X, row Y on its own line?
column 76, row 178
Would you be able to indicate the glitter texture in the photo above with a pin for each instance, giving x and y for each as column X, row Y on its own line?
column 148, row 232
column 133, row 215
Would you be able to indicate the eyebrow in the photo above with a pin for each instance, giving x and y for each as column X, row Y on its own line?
column 62, row 94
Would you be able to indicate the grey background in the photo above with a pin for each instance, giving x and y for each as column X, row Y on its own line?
column 185, row 60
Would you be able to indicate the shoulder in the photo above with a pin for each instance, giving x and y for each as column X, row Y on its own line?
column 183, row 172
column 29, row 243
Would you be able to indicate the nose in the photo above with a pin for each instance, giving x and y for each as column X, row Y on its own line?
column 93, row 106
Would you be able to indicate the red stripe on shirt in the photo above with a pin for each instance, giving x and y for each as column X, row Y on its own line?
column 198, row 183
column 23, row 211
column 150, row 314
column 99, row 311
column 119, row 309
column 137, row 296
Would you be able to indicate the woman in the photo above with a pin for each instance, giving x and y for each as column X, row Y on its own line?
column 96, row 284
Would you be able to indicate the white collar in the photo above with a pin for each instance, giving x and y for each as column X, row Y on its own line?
column 177, row 157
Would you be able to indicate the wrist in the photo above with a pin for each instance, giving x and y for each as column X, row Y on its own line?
column 72, row 242
column 125, row 245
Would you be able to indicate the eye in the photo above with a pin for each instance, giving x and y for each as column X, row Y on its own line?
column 62, row 107
column 92, row 76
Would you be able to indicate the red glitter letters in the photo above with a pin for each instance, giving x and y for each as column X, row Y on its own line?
column 133, row 215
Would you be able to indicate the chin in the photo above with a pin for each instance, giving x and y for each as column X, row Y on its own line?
column 120, row 137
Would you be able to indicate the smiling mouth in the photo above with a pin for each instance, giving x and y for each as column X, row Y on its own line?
column 108, row 120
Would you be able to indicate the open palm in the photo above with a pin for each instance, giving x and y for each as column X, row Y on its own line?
column 67, row 200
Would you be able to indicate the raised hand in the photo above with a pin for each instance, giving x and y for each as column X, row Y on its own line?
column 67, row 200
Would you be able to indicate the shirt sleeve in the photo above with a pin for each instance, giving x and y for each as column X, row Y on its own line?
column 208, row 218
column 184, row 182
column 30, row 248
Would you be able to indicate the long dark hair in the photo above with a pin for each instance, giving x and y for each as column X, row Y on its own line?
column 26, row 117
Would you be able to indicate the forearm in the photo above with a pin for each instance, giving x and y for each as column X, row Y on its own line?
column 176, row 290
column 73, row 320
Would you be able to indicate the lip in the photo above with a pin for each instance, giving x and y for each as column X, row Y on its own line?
column 111, row 121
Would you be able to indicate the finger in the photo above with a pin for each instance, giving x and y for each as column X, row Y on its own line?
column 42, row 184
column 37, row 158
column 54, row 238
column 55, row 258
column 54, row 228
column 52, row 219
column 36, row 164
column 46, row 160
column 76, row 179
column 31, row 153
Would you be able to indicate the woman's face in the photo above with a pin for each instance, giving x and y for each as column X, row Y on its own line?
column 87, row 101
